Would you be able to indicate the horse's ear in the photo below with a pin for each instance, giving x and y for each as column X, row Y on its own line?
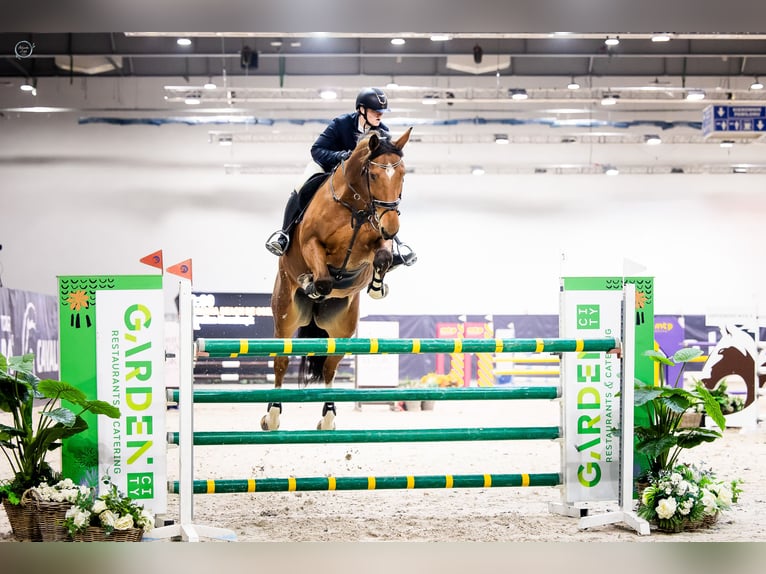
column 373, row 142
column 404, row 138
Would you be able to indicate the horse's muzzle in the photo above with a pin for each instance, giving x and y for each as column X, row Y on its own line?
column 389, row 225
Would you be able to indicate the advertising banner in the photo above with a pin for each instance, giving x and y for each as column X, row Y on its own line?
column 591, row 308
column 112, row 348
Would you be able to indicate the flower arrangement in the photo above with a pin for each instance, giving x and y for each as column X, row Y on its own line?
column 109, row 512
column 686, row 497
column 63, row 491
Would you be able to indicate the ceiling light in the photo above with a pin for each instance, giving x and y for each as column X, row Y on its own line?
column 756, row 85
column 661, row 38
column 392, row 85
column 440, row 37
column 430, row 99
column 652, row 139
column 612, row 41
column 27, row 86
column 739, row 169
column 727, row 143
column 398, row 41
column 184, row 41
column 193, row 99
column 210, row 85
column 695, row 95
column 328, row 94
column 275, row 43
column 295, row 44
column 611, row 170
column 609, row 99
column 518, row 94
column 501, row 139
column 477, row 170
column 573, row 85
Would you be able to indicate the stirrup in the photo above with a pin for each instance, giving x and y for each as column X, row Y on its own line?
column 278, row 243
column 406, row 258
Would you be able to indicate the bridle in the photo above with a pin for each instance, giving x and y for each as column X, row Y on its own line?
column 371, row 206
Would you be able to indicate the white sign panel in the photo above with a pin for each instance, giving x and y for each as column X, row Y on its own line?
column 591, row 381
column 130, row 359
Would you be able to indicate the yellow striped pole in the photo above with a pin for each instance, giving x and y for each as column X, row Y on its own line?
column 457, row 360
column 484, row 361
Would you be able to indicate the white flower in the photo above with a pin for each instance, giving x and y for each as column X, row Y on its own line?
column 668, row 489
column 107, row 518
column 147, row 520
column 724, row 497
column 685, row 507
column 123, row 522
column 99, row 506
column 682, row 487
column 675, row 478
column 708, row 501
column 666, row 507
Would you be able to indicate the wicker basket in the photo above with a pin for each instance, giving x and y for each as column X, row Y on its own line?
column 23, row 519
column 50, row 517
column 97, row 534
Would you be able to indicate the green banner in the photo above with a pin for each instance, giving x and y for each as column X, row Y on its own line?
column 79, row 359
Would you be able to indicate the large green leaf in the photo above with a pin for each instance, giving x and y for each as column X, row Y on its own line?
column 61, row 415
column 59, row 389
column 712, row 406
column 689, row 438
column 658, row 356
column 643, row 395
column 686, row 355
column 23, row 363
column 102, row 408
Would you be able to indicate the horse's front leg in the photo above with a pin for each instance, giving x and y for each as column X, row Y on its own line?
column 380, row 264
column 317, row 283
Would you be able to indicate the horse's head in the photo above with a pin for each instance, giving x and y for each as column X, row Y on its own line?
column 377, row 162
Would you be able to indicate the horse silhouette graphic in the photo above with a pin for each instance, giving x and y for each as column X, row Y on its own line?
column 736, row 354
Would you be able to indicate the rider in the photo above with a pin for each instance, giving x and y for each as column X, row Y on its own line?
column 333, row 146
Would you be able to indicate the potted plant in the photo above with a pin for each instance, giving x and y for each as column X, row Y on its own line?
column 686, row 498
column 108, row 517
column 26, row 442
column 662, row 439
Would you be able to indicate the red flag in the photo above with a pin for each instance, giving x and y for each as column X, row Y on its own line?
column 153, row 259
column 182, row 269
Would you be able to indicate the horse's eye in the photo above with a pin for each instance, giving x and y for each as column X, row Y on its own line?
column 373, row 176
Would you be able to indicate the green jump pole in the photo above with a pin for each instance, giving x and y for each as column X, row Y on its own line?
column 302, row 347
column 361, row 395
column 321, row 483
column 369, row 436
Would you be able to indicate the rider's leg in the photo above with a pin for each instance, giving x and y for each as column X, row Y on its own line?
column 280, row 239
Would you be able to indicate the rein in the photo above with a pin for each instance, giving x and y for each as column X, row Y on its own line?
column 369, row 213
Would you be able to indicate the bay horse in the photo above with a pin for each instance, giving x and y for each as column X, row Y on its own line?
column 342, row 243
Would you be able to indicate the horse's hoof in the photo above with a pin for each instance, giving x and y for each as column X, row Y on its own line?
column 270, row 421
column 379, row 292
column 322, row 422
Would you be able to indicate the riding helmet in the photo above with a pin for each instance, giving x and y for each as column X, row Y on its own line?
column 372, row 99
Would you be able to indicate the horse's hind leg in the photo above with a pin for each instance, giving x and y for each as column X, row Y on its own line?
column 327, row 422
column 270, row 420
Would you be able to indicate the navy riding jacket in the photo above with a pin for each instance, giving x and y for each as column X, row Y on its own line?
column 340, row 136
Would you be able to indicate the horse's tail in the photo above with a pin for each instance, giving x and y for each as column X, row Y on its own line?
column 311, row 367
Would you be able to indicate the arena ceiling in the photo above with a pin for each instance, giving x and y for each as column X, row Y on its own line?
column 541, row 89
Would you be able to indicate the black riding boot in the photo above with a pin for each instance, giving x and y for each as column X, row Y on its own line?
column 279, row 241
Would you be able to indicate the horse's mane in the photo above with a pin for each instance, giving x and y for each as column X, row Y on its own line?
column 385, row 145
